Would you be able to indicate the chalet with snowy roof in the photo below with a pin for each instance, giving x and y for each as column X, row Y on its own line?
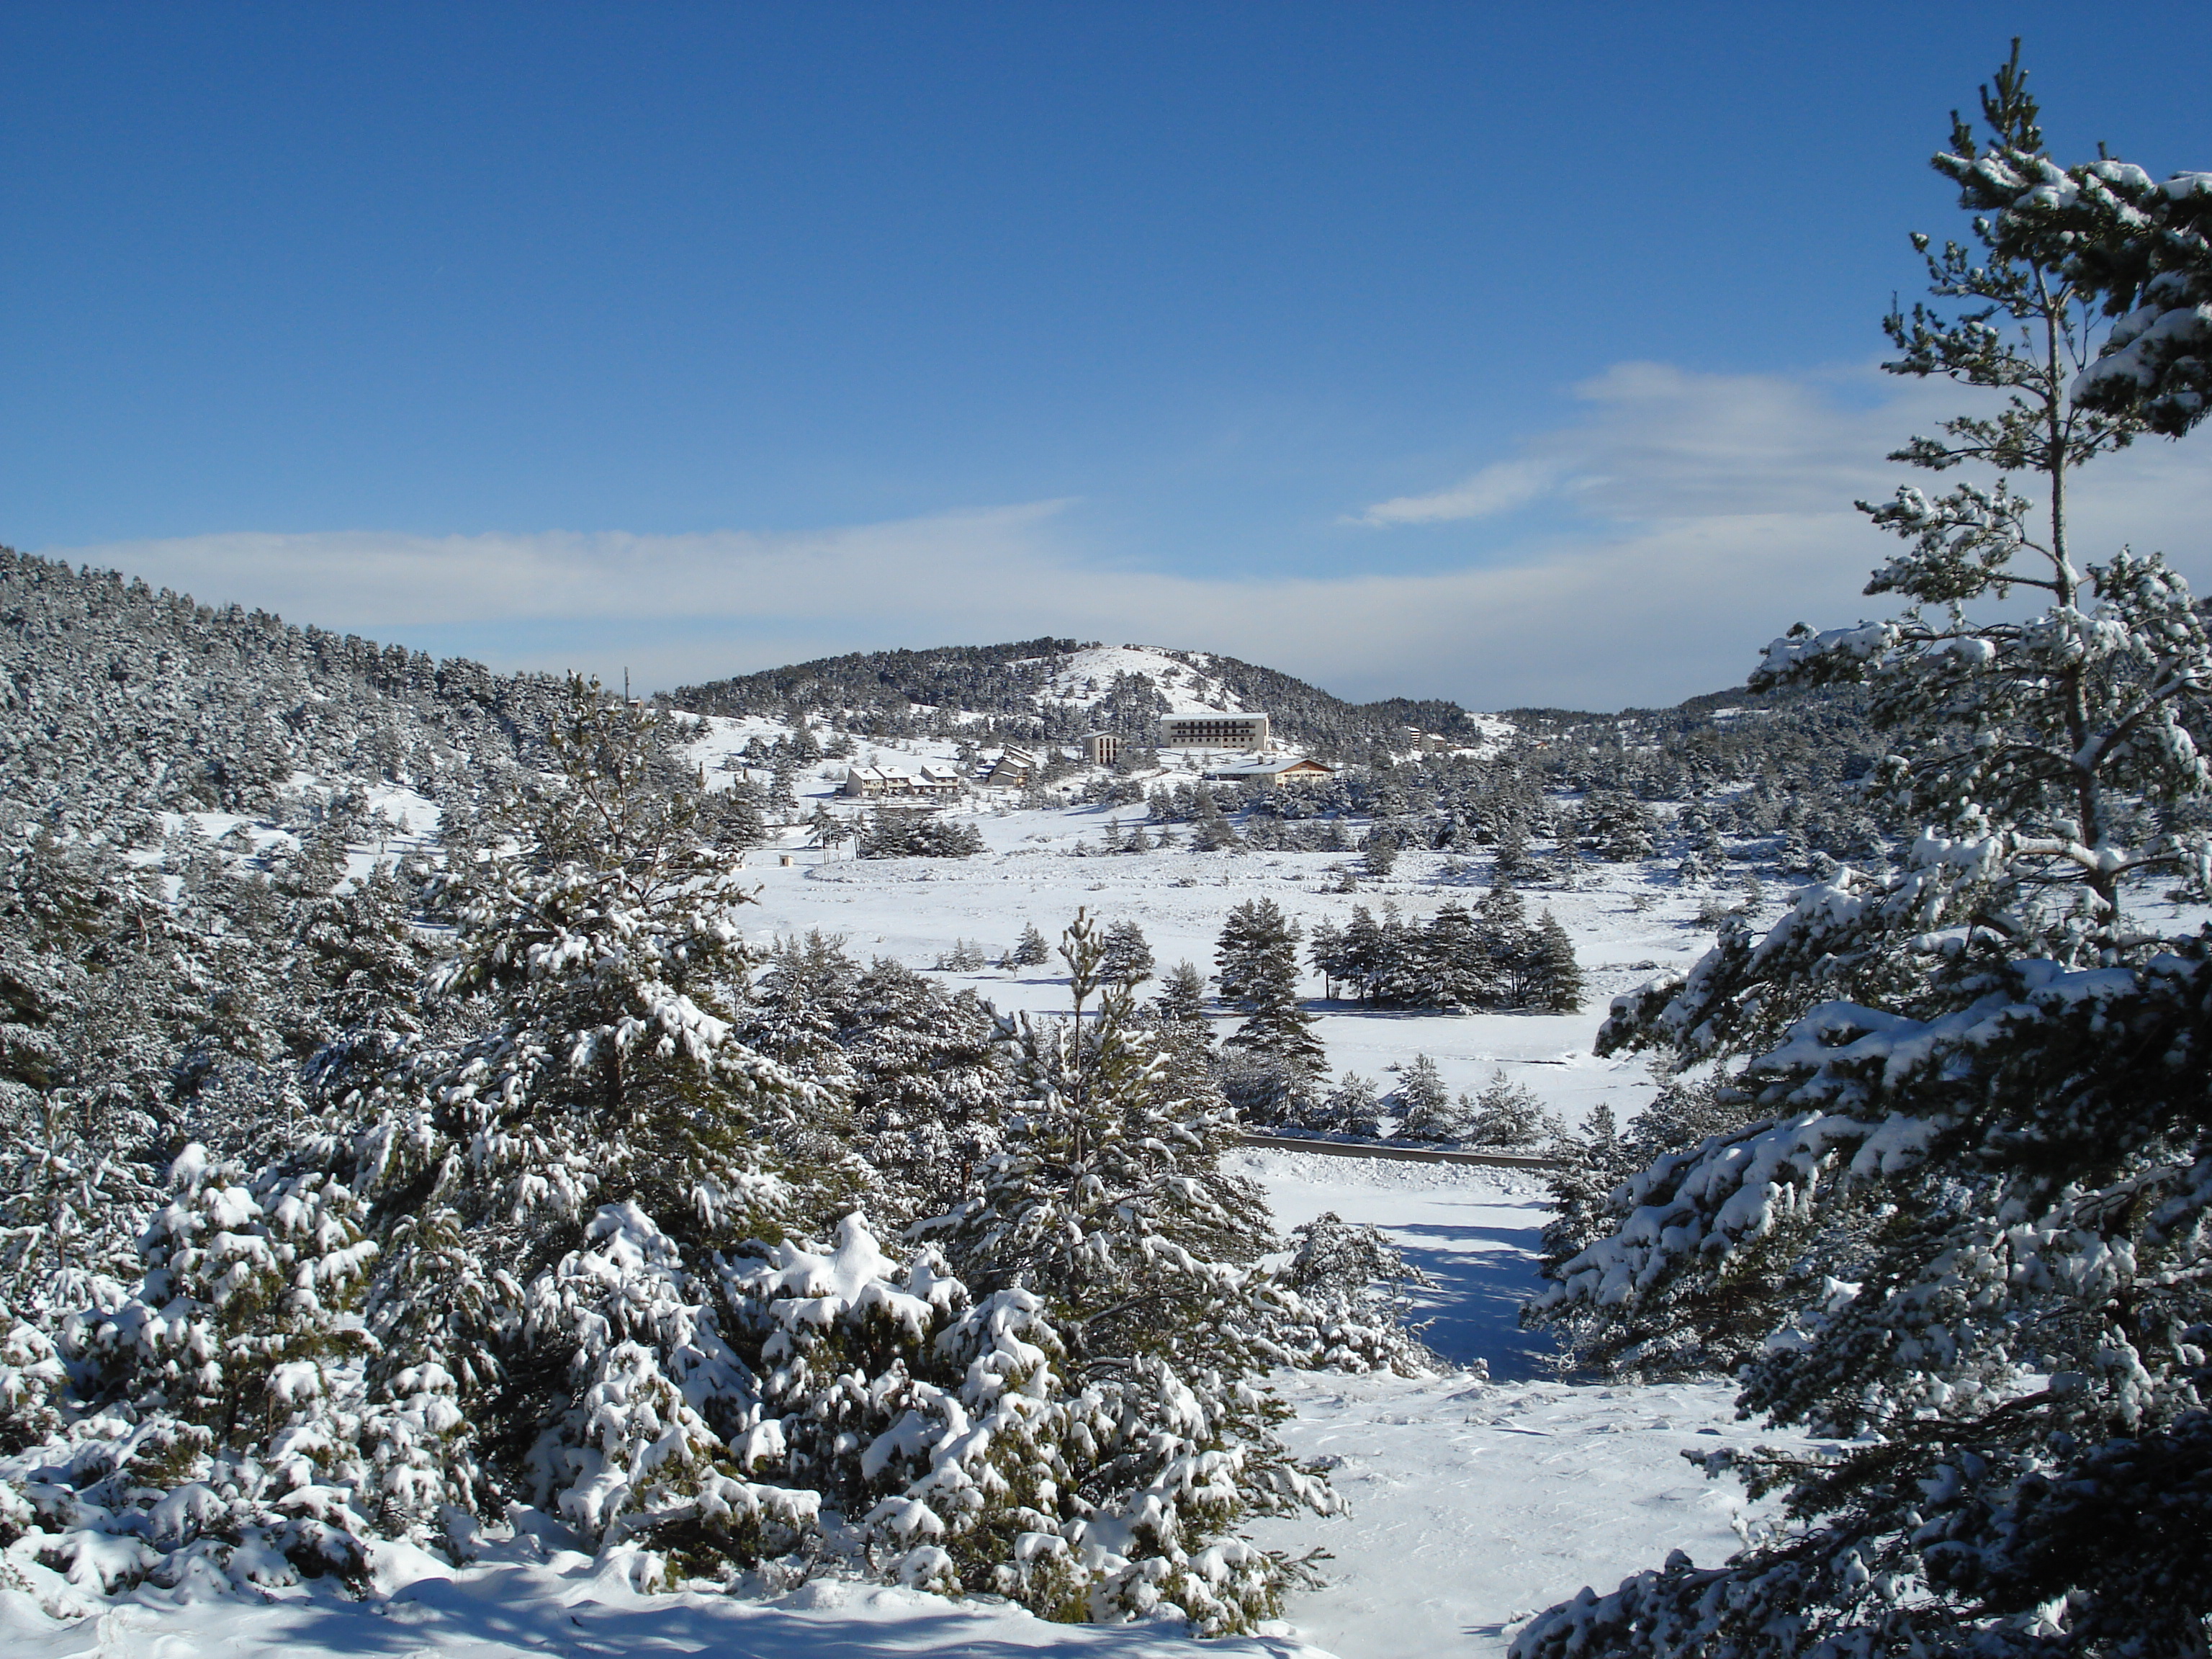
column 1270, row 771
column 894, row 783
column 1211, row 729
column 1013, row 769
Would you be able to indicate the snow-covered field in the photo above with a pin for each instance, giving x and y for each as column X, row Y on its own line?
column 533, row 1600
column 1472, row 1502
column 1041, row 866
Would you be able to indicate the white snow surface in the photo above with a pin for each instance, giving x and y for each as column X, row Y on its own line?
column 1471, row 1507
column 532, row 1597
column 1471, row 1504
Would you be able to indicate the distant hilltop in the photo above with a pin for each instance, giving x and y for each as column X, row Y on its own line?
column 1055, row 690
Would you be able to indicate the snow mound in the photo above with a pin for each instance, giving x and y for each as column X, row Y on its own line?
column 532, row 1597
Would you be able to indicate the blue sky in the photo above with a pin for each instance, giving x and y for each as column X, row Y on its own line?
column 1514, row 354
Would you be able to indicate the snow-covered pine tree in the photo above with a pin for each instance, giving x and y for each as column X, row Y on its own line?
column 1352, row 1108
column 89, row 1023
column 1974, row 1188
column 1380, row 856
column 1509, row 1115
column 888, row 834
column 554, row 1194
column 1128, row 957
column 1213, row 833
column 926, row 1071
column 1615, row 827
column 1424, row 1104
column 1451, row 965
column 1258, row 973
column 1702, row 1326
column 1252, row 949
column 1589, row 1165
column 234, row 1361
column 1181, row 998
column 1355, row 955
column 1501, row 920
column 1109, row 1203
column 1031, row 950
column 801, row 1005
column 1325, row 950
column 1352, row 1310
column 1552, row 979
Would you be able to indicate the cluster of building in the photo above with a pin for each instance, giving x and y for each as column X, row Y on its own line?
column 928, row 782
column 1242, row 743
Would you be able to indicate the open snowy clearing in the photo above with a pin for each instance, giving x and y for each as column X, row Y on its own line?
column 1471, row 1507
column 1041, row 866
column 1472, row 1504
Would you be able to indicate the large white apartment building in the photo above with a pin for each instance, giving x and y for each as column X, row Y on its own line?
column 1211, row 730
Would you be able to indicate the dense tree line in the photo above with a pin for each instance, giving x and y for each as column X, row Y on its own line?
column 1459, row 960
column 120, row 700
column 909, row 835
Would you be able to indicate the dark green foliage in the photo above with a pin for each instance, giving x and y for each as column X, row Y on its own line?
column 1128, row 959
column 1258, row 958
column 1181, row 998
column 1352, row 1108
column 1424, row 1105
column 1551, row 977
column 897, row 834
column 1458, row 960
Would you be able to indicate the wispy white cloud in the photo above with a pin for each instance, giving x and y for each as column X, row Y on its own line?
column 1698, row 516
column 1498, row 487
column 375, row 579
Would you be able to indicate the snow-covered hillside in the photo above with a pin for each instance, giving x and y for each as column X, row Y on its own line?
column 1053, row 691
column 1081, row 678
